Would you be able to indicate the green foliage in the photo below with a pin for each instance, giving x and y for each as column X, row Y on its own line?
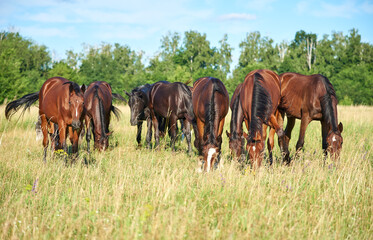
column 344, row 59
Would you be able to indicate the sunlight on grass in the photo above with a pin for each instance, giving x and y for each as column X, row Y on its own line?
column 132, row 193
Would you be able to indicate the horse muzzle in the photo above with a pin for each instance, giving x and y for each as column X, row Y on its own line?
column 75, row 125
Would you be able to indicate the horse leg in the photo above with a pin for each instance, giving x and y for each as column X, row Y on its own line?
column 173, row 130
column 271, row 144
column 324, row 131
column 44, row 129
column 62, row 135
column 75, row 142
column 88, row 133
column 303, row 126
column 286, row 140
column 138, row 136
column 149, row 133
column 187, row 134
column 200, row 127
column 156, row 129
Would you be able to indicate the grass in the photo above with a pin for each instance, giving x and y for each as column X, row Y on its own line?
column 130, row 193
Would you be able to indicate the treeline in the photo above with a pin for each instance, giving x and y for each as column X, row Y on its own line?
column 344, row 59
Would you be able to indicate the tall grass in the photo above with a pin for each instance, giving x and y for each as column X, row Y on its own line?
column 130, row 193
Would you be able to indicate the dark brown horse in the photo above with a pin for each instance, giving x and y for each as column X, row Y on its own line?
column 311, row 98
column 138, row 102
column 171, row 101
column 98, row 105
column 260, row 97
column 210, row 106
column 60, row 102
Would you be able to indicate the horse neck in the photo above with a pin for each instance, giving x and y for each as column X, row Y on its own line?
column 237, row 118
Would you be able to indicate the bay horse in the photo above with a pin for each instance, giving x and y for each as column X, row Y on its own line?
column 98, row 107
column 171, row 101
column 138, row 102
column 311, row 98
column 210, row 106
column 260, row 97
column 60, row 102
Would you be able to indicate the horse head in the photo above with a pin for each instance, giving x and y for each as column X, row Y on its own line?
column 76, row 103
column 102, row 141
column 137, row 102
column 334, row 140
column 255, row 148
column 236, row 143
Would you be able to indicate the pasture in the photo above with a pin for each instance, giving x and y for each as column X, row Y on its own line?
column 130, row 193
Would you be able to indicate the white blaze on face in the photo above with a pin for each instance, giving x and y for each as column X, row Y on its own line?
column 333, row 139
column 254, row 148
column 76, row 112
column 209, row 156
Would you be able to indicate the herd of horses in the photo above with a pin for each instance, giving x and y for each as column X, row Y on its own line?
column 259, row 102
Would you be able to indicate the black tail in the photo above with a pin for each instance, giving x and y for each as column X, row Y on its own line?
column 261, row 106
column 25, row 101
column 327, row 104
column 210, row 113
column 101, row 112
column 118, row 97
column 116, row 111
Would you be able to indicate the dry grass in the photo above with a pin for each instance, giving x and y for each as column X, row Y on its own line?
column 129, row 193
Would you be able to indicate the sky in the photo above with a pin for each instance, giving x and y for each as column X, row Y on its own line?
column 64, row 25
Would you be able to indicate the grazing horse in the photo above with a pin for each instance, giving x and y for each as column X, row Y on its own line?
column 98, row 104
column 210, row 106
column 138, row 102
column 311, row 98
column 236, row 139
column 60, row 102
column 171, row 101
column 260, row 97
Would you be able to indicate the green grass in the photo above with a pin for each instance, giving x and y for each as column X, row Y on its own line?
column 130, row 193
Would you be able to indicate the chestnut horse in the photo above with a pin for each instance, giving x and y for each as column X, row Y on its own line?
column 60, row 102
column 98, row 105
column 210, row 106
column 260, row 97
column 171, row 101
column 311, row 98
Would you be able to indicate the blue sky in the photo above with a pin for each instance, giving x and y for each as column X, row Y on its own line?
column 64, row 25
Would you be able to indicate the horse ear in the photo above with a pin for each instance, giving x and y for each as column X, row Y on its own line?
column 228, row 134
column 71, row 87
column 340, row 127
column 83, row 88
column 129, row 95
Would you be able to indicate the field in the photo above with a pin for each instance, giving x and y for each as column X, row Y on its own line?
column 130, row 193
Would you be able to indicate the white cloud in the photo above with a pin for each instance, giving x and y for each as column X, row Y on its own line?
column 237, row 16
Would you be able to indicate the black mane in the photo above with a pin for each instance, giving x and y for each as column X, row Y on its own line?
column 261, row 105
column 327, row 104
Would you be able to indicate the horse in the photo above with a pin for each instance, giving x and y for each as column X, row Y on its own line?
column 171, row 101
column 236, row 139
column 138, row 102
column 310, row 98
column 98, row 107
column 210, row 106
column 260, row 97
column 60, row 102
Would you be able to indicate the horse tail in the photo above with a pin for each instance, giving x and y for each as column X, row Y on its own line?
column 327, row 103
column 210, row 113
column 25, row 101
column 261, row 106
column 118, row 97
column 101, row 111
column 116, row 111
column 188, row 99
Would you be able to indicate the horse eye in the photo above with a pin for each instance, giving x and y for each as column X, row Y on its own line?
column 69, row 102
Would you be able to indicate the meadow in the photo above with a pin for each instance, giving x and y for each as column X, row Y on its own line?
column 131, row 193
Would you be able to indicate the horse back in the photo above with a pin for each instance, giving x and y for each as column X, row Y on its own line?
column 104, row 93
column 302, row 94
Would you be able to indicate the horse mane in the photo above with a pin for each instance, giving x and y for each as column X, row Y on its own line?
column 327, row 104
column 261, row 106
column 210, row 114
column 73, row 87
column 235, row 107
column 101, row 111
